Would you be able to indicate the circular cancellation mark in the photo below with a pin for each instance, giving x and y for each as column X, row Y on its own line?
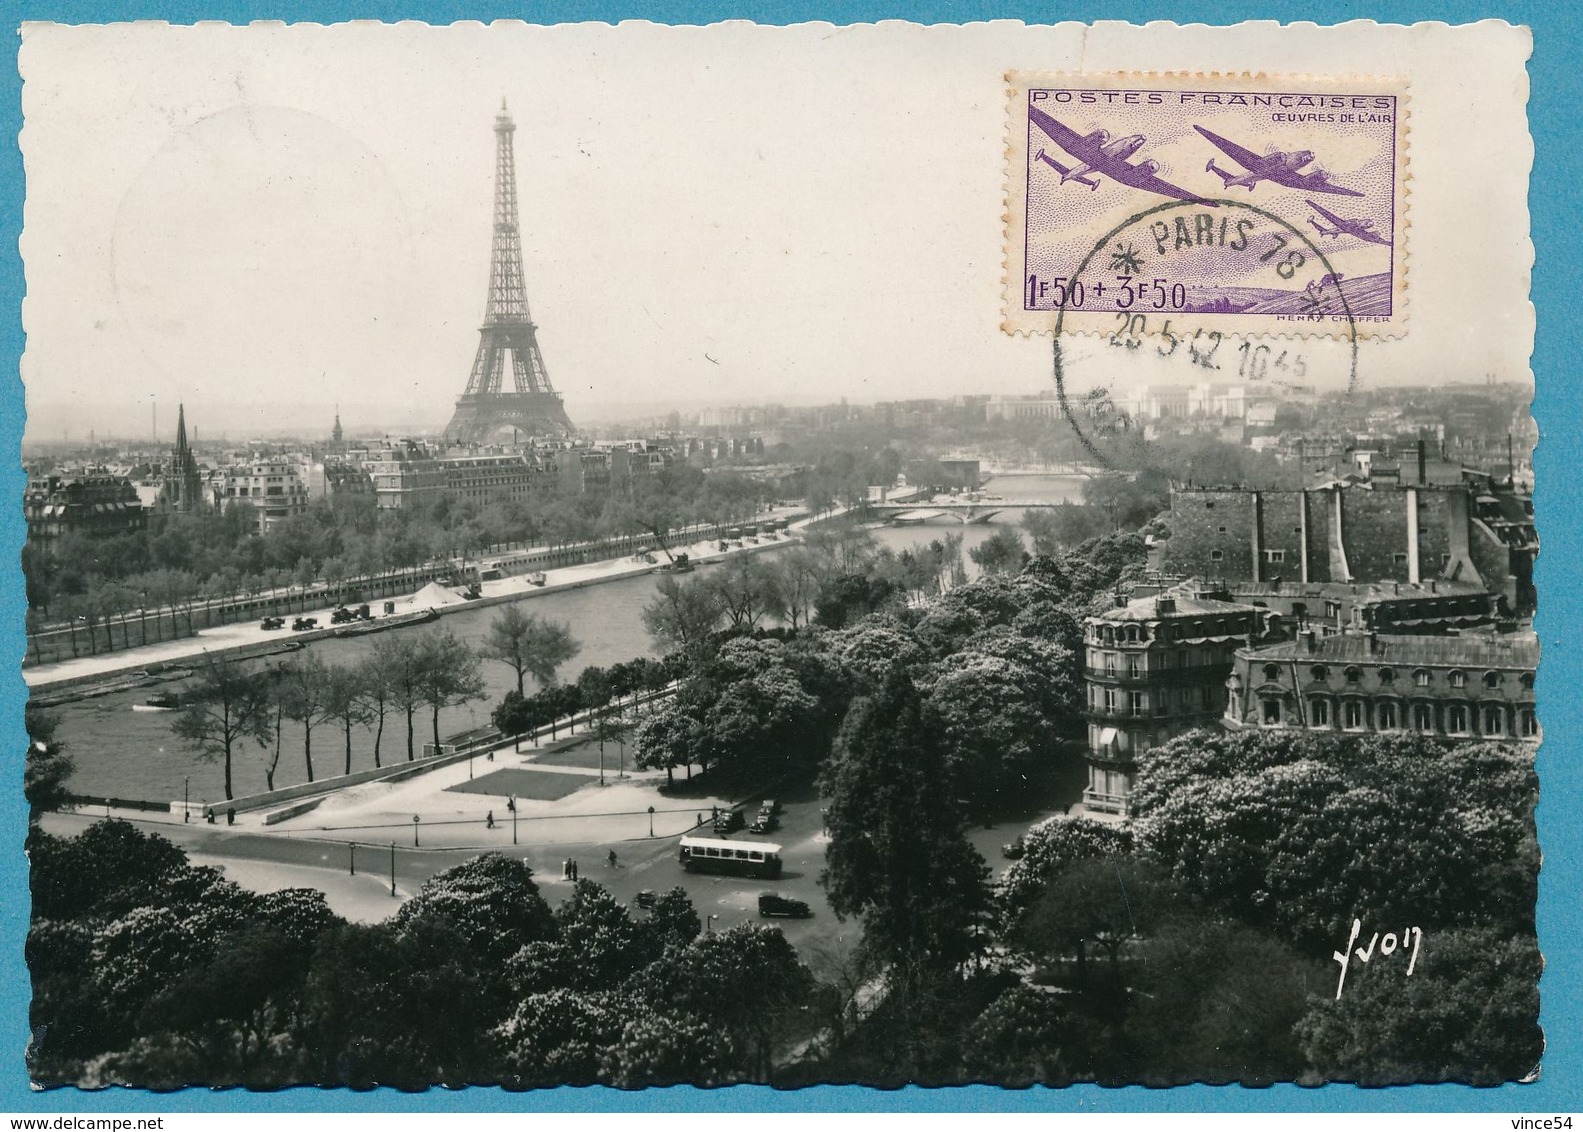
column 1150, row 272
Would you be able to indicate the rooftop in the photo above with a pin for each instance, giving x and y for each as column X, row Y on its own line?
column 1515, row 650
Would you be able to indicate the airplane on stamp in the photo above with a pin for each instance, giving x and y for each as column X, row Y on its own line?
column 1282, row 168
column 1098, row 153
column 1362, row 229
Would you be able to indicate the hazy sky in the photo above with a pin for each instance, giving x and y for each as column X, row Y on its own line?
column 267, row 221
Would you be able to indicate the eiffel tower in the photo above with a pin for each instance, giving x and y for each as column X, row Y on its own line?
column 532, row 408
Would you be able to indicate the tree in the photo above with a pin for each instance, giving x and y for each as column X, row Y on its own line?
column 683, row 615
column 747, row 981
column 48, row 767
column 403, row 664
column 450, row 676
column 1001, row 553
column 897, row 857
column 490, row 900
column 994, row 728
column 1300, row 832
column 373, row 679
column 850, row 597
column 346, row 702
column 530, row 645
column 748, row 590
column 1468, row 1013
column 224, row 706
column 304, row 688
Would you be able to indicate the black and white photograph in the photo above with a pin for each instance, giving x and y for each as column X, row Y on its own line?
column 633, row 555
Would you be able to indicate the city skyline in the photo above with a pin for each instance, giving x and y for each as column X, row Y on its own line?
column 258, row 221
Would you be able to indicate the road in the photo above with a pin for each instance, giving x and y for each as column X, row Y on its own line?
column 641, row 864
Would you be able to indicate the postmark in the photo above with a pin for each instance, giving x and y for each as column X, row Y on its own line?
column 1329, row 156
column 1103, row 381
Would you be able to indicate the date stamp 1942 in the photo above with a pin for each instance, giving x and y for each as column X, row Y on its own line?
column 1248, row 160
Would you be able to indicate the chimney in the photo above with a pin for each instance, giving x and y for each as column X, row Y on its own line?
column 1308, row 639
column 1164, row 604
column 1421, row 476
column 1374, row 643
column 1432, row 586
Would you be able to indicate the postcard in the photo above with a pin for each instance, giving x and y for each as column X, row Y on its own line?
column 638, row 555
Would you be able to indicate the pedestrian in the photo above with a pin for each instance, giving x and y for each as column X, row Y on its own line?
column 511, row 804
column 612, row 858
column 489, row 820
column 566, row 868
column 490, row 757
column 574, row 870
column 700, row 820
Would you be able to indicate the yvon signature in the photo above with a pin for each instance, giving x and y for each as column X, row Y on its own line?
column 1389, row 945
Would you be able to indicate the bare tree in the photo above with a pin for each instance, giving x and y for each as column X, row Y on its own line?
column 530, row 645
column 225, row 706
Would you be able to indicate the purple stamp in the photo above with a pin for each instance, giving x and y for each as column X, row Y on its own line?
column 1259, row 205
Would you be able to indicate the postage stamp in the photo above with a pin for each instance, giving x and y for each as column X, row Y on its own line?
column 1298, row 188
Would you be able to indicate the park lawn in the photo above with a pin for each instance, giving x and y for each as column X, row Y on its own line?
column 539, row 785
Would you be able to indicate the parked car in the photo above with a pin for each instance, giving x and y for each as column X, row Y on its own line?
column 763, row 823
column 774, row 904
column 728, row 821
column 770, row 806
column 303, row 623
column 645, row 899
column 272, row 623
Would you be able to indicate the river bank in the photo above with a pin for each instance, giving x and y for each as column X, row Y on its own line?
column 122, row 753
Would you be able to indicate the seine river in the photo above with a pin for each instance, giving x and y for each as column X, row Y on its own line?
column 121, row 753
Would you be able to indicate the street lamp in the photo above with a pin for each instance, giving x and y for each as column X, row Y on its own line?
column 651, row 821
column 186, row 799
column 415, row 820
column 709, row 924
column 513, row 808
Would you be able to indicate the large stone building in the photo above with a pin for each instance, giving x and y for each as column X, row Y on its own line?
column 1475, row 687
column 1156, row 667
column 1325, row 656
column 95, row 504
column 1476, row 532
column 273, row 488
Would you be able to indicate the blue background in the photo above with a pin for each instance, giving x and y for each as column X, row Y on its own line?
column 1554, row 200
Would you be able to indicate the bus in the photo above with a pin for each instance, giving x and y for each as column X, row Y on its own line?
column 740, row 858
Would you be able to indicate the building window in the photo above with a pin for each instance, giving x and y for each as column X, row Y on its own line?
column 1492, row 679
column 1275, row 556
column 1527, row 723
column 1458, row 678
column 1217, row 555
column 1134, row 668
column 1352, row 715
column 1386, row 714
column 1135, row 702
column 1319, row 672
column 1527, row 681
column 1272, row 672
column 1110, row 699
column 1272, row 712
column 1387, row 676
column 1110, row 664
column 1494, row 720
column 1354, row 674
column 1421, row 677
column 1456, row 719
column 1332, row 609
column 1319, row 712
column 1399, row 558
column 1423, row 718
